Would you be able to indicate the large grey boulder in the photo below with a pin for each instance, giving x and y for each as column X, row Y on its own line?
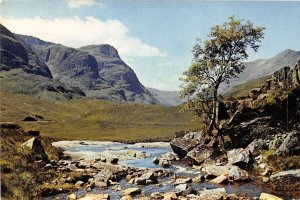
column 286, row 180
column 239, row 157
column 237, row 174
column 291, row 145
column 182, row 145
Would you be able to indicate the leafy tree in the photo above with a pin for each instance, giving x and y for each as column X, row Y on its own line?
column 216, row 61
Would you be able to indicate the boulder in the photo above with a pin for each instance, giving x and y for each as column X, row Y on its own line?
column 286, row 180
column 239, row 157
column 95, row 197
column 30, row 119
column 200, row 153
column 266, row 196
column 132, row 191
column 256, row 145
column 112, row 160
column 127, row 197
column 182, row 145
column 72, row 196
column 164, row 163
column 181, row 187
column 220, row 180
column 213, row 194
column 170, row 156
column 149, row 177
column 155, row 160
column 79, row 184
column 198, row 179
column 182, row 181
column 140, row 181
column 290, row 145
column 237, row 174
column 35, row 145
column 34, row 133
column 170, row 196
column 9, row 125
column 215, row 170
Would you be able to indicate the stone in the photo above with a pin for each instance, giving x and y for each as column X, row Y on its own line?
column 170, row 156
column 131, row 181
column 182, row 145
column 182, row 181
column 34, row 133
column 198, row 179
column 128, row 177
column 266, row 196
column 132, row 191
column 117, row 188
column 290, row 145
column 127, row 197
column 266, row 179
column 200, row 153
column 215, row 170
column 170, row 196
column 101, row 184
column 239, row 157
column 30, row 119
column 220, row 180
column 286, row 180
column 112, row 160
column 140, row 181
column 131, row 152
column 164, row 163
column 35, row 145
column 255, row 146
column 95, row 197
column 155, row 160
column 156, row 195
column 72, row 196
column 213, row 194
column 149, row 177
column 237, row 174
column 181, row 187
column 79, row 184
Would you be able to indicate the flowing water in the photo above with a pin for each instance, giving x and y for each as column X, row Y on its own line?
column 89, row 150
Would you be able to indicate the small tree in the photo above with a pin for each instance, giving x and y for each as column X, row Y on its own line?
column 216, row 61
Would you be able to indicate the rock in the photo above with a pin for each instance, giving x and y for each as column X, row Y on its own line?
column 30, row 119
column 233, row 197
column 113, row 160
column 256, row 145
column 156, row 195
column 9, row 125
column 181, row 187
column 72, row 196
column 117, row 188
column 128, row 177
column 132, row 191
column 198, row 179
column 220, row 180
column 182, row 145
column 164, row 163
column 127, row 197
column 213, row 194
column 266, row 196
column 266, row 179
column 131, row 152
column 79, row 184
column 286, row 180
column 95, row 197
column 149, row 177
column 170, row 196
column 35, row 145
column 101, row 184
column 170, row 156
column 276, row 142
column 182, row 181
column 200, row 153
column 216, row 170
column 239, row 157
column 140, row 181
column 155, row 160
column 237, row 174
column 131, row 181
column 291, row 145
column 33, row 133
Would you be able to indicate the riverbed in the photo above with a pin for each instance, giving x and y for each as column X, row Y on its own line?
column 88, row 150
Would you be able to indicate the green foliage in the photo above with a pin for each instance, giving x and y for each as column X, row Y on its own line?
column 216, row 61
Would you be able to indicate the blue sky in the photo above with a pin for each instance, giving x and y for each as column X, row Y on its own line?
column 155, row 38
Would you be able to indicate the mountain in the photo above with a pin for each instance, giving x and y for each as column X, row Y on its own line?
column 264, row 67
column 22, row 71
column 167, row 98
column 98, row 70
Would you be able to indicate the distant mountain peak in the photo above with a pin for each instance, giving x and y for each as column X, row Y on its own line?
column 105, row 50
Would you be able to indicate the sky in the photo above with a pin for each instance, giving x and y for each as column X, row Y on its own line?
column 154, row 38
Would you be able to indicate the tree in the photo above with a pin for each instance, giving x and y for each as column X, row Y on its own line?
column 216, row 61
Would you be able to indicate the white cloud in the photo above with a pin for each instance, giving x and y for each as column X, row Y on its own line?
column 76, row 32
column 73, row 4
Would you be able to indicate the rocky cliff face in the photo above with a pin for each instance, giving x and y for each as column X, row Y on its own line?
column 15, row 54
column 96, row 69
column 22, row 71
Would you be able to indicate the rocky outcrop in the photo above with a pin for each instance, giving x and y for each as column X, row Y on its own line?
column 36, row 147
column 290, row 145
column 239, row 157
column 286, row 180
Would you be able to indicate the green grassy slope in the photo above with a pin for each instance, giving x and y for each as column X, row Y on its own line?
column 95, row 119
column 244, row 88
